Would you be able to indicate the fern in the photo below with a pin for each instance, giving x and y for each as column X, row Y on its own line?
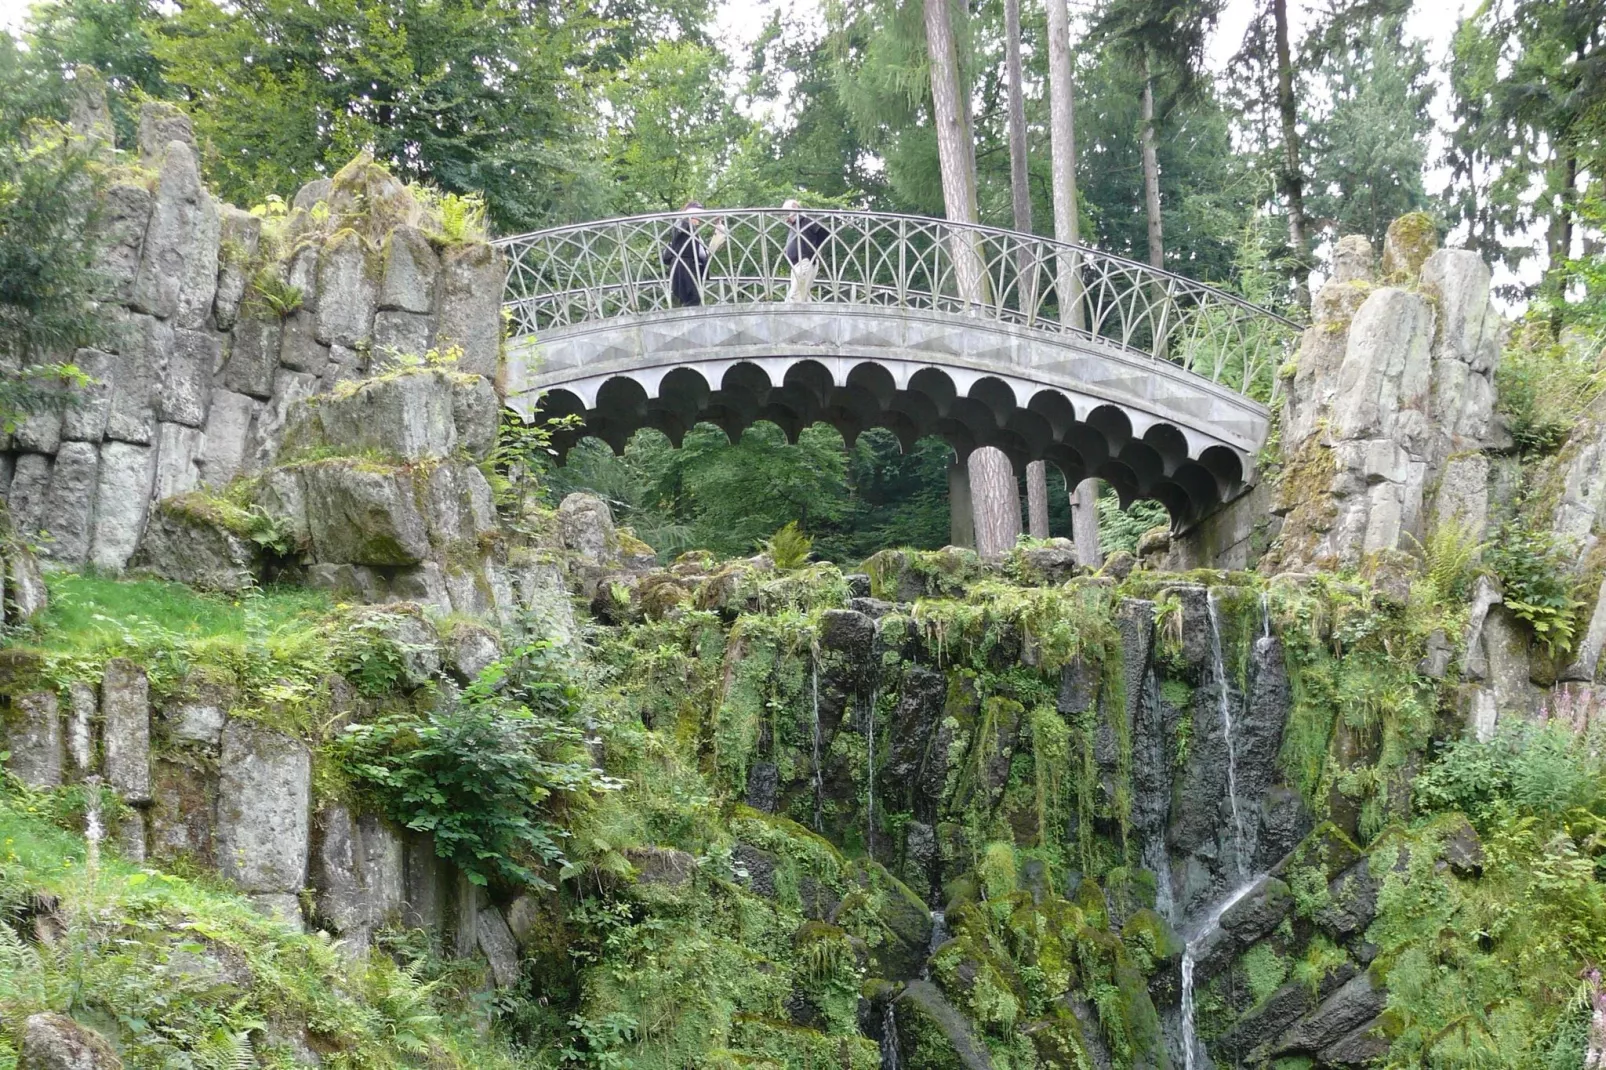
column 789, row 548
column 270, row 288
column 1449, row 556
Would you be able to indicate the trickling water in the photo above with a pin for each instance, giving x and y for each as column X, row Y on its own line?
column 1225, row 701
column 1189, row 1040
column 93, row 831
column 819, row 781
column 869, row 807
column 1265, row 616
column 891, row 1058
column 939, row 936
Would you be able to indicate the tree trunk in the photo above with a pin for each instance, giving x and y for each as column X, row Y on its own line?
column 1020, row 196
column 1151, row 170
column 1293, row 180
column 1037, row 499
column 1062, row 147
column 996, row 496
column 1085, row 523
column 955, row 151
column 961, row 515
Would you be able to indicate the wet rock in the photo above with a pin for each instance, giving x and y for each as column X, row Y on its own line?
column 264, row 793
column 1259, row 911
column 1364, row 1047
column 756, row 869
column 33, row 736
column 763, row 786
column 1284, row 821
column 56, row 1042
column 1352, row 1006
column 928, row 1022
column 1269, row 1019
column 126, row 730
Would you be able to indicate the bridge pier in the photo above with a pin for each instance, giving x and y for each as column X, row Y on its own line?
column 961, row 519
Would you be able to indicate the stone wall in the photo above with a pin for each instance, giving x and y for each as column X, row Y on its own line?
column 218, row 321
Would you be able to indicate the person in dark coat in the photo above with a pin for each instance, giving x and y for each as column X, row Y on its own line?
column 686, row 256
column 802, row 251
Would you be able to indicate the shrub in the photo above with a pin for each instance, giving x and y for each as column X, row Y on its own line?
column 484, row 773
column 789, row 548
column 1531, row 571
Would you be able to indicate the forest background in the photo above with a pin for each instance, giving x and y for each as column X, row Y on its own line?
column 537, row 113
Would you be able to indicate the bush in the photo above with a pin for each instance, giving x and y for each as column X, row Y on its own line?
column 483, row 774
column 1531, row 570
column 1543, row 771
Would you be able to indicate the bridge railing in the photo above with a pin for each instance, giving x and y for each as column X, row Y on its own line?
column 596, row 271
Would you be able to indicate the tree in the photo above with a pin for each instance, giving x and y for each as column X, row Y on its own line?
column 112, row 36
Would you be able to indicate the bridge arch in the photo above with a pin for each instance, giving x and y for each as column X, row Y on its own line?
column 917, row 326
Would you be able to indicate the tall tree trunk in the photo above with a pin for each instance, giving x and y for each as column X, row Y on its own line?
column 961, row 516
column 994, row 494
column 1062, row 148
column 1293, row 179
column 1151, row 170
column 1085, row 523
column 1020, row 196
column 992, row 481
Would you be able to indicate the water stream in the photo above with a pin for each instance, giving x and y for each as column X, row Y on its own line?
column 891, row 1058
column 819, row 781
column 939, row 936
column 869, row 807
column 1224, row 697
column 1265, row 616
column 1190, row 1041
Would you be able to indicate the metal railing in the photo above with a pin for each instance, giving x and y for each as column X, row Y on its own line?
column 590, row 272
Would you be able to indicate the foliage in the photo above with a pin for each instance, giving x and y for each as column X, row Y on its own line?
column 1120, row 529
column 788, row 548
column 483, row 774
column 1543, row 386
column 1532, row 571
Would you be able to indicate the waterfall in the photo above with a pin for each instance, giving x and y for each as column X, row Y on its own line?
column 1265, row 616
column 869, row 808
column 1189, row 1040
column 939, row 936
column 891, row 1059
column 819, row 781
column 93, row 831
column 1225, row 701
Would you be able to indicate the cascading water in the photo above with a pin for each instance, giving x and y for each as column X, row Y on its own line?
column 1265, row 616
column 891, row 1058
column 819, row 781
column 1225, row 701
column 869, row 806
column 939, row 936
column 1190, row 1041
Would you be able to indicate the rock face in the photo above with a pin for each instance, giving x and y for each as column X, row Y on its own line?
column 1393, row 387
column 264, row 795
column 56, row 1042
column 204, row 357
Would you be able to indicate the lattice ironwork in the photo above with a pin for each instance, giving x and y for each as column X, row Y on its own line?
column 588, row 272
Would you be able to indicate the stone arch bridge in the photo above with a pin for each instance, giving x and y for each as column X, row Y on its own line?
column 1096, row 364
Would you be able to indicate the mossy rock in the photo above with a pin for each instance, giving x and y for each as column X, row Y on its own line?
column 908, row 575
column 933, row 1035
column 1410, row 240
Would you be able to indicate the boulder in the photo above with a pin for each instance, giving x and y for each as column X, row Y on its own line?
column 264, row 792
column 188, row 540
column 125, row 709
column 930, row 1026
column 1352, row 259
column 402, row 334
column 1351, row 1007
column 56, row 1042
column 268, row 431
column 26, row 593
column 586, row 527
column 33, row 736
column 363, row 514
column 459, row 511
column 181, row 815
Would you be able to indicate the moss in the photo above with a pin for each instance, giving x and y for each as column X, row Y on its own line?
column 1264, row 970
column 1411, row 239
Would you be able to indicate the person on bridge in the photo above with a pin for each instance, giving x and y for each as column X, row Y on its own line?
column 803, row 247
column 686, row 256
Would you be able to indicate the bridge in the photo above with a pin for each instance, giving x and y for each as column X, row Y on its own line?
column 1099, row 365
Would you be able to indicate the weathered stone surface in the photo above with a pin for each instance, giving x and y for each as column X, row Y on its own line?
column 402, row 333
column 268, row 429
column 363, row 514
column 33, row 736
column 586, row 527
column 1386, row 368
column 414, row 639
column 262, row 813
column 130, row 837
column 410, row 267
column 187, row 543
column 501, row 950
column 541, row 592
column 89, row 116
column 56, row 1042
column 39, row 432
column 1346, row 1010
column 1259, row 911
column 311, row 193
column 177, row 277
column 159, row 124
column 228, row 424
column 470, row 297
column 1352, row 259
column 145, row 347
column 924, row 1015
column 240, row 234
column 127, row 210
column 282, row 907
column 125, row 708
column 83, row 706
column 181, row 815
column 186, row 388
column 477, row 413
column 299, row 348
column 254, row 356
column 357, row 870
column 30, row 489
column 127, row 477
column 346, row 291
column 179, row 453
column 408, row 417
column 461, row 512
column 69, row 507
column 198, row 719
column 85, row 416
column 1407, row 244
column 471, row 649
column 1462, row 497
column 1049, row 565
column 1351, row 901
column 1504, row 647
column 1268, row 1019
column 26, row 594
column 1363, row 1047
